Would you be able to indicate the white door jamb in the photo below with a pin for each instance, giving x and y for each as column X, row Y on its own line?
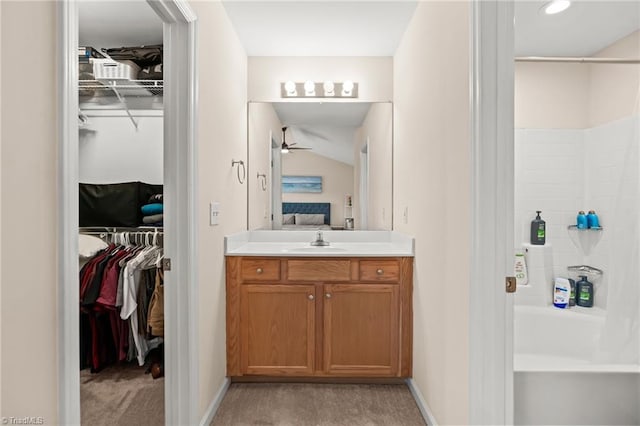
column 181, row 314
column 490, row 308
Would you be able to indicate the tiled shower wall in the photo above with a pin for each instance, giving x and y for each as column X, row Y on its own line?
column 562, row 171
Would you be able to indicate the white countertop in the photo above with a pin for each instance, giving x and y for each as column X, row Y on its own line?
column 341, row 244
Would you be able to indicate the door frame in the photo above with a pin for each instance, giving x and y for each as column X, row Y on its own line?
column 181, row 313
column 492, row 212
column 363, row 187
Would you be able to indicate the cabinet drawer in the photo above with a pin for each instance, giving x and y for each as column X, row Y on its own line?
column 260, row 270
column 319, row 270
column 379, row 270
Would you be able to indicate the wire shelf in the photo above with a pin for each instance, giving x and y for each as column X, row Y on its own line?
column 127, row 87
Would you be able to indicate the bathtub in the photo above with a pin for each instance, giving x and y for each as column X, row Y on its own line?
column 555, row 380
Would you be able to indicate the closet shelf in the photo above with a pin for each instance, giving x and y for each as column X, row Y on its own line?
column 130, row 94
column 127, row 87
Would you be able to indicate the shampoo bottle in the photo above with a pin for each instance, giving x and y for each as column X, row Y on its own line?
column 582, row 221
column 592, row 220
column 561, row 293
column 584, row 292
column 572, row 296
column 520, row 269
column 538, row 230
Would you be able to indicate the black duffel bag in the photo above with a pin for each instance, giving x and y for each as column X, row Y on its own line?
column 114, row 204
column 143, row 56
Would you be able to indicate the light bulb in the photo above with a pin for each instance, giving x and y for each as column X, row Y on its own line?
column 309, row 88
column 290, row 88
column 328, row 88
column 284, row 150
column 556, row 6
column 347, row 88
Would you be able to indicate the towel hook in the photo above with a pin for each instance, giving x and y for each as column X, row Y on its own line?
column 244, row 170
column 263, row 181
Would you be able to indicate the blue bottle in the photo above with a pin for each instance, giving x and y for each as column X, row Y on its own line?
column 582, row 220
column 592, row 220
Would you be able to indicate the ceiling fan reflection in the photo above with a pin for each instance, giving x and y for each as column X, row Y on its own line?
column 285, row 148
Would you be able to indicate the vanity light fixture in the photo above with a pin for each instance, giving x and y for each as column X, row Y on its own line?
column 556, row 6
column 313, row 89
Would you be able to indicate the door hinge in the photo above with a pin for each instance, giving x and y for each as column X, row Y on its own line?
column 510, row 284
column 166, row 264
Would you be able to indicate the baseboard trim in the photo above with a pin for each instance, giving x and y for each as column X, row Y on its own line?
column 422, row 404
column 215, row 404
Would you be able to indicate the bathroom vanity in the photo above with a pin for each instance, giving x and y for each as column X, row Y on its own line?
column 343, row 310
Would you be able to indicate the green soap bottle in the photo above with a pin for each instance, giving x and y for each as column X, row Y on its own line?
column 538, row 230
column 584, row 292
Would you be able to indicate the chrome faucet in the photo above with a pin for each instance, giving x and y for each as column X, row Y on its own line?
column 319, row 242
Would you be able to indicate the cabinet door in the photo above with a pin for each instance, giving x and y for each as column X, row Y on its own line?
column 361, row 329
column 277, row 329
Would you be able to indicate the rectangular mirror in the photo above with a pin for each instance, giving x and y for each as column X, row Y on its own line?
column 320, row 165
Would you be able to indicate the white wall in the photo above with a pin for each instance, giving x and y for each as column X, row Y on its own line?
column 432, row 180
column 222, row 136
column 264, row 125
column 578, row 96
column 1, row 412
column 612, row 177
column 377, row 128
column 337, row 180
column 111, row 150
column 551, row 95
column 374, row 75
column 28, row 315
column 550, row 176
column 615, row 88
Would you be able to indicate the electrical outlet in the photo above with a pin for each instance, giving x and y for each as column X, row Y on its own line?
column 405, row 215
column 214, row 213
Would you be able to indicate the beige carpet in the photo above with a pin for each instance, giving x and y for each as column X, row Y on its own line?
column 121, row 395
column 302, row 404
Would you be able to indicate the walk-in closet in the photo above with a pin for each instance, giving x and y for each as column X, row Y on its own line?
column 121, row 215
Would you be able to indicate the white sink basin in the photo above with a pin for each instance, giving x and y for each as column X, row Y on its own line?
column 314, row 249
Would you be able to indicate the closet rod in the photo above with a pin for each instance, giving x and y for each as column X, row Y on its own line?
column 123, row 115
column 585, row 60
column 116, row 229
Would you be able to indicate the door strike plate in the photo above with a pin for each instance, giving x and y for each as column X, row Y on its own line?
column 166, row 264
column 510, row 284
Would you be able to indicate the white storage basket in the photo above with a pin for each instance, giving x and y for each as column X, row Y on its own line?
column 108, row 69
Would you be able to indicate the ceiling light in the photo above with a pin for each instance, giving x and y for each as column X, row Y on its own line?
column 309, row 88
column 328, row 88
column 556, row 6
column 347, row 88
column 290, row 87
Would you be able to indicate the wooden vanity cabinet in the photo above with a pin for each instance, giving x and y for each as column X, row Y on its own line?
column 319, row 317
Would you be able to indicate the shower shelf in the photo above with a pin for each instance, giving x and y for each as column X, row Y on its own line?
column 585, row 238
column 585, row 269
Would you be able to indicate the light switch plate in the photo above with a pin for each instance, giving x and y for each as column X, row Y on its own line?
column 214, row 213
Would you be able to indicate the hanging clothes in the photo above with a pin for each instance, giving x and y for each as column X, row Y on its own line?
column 117, row 286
